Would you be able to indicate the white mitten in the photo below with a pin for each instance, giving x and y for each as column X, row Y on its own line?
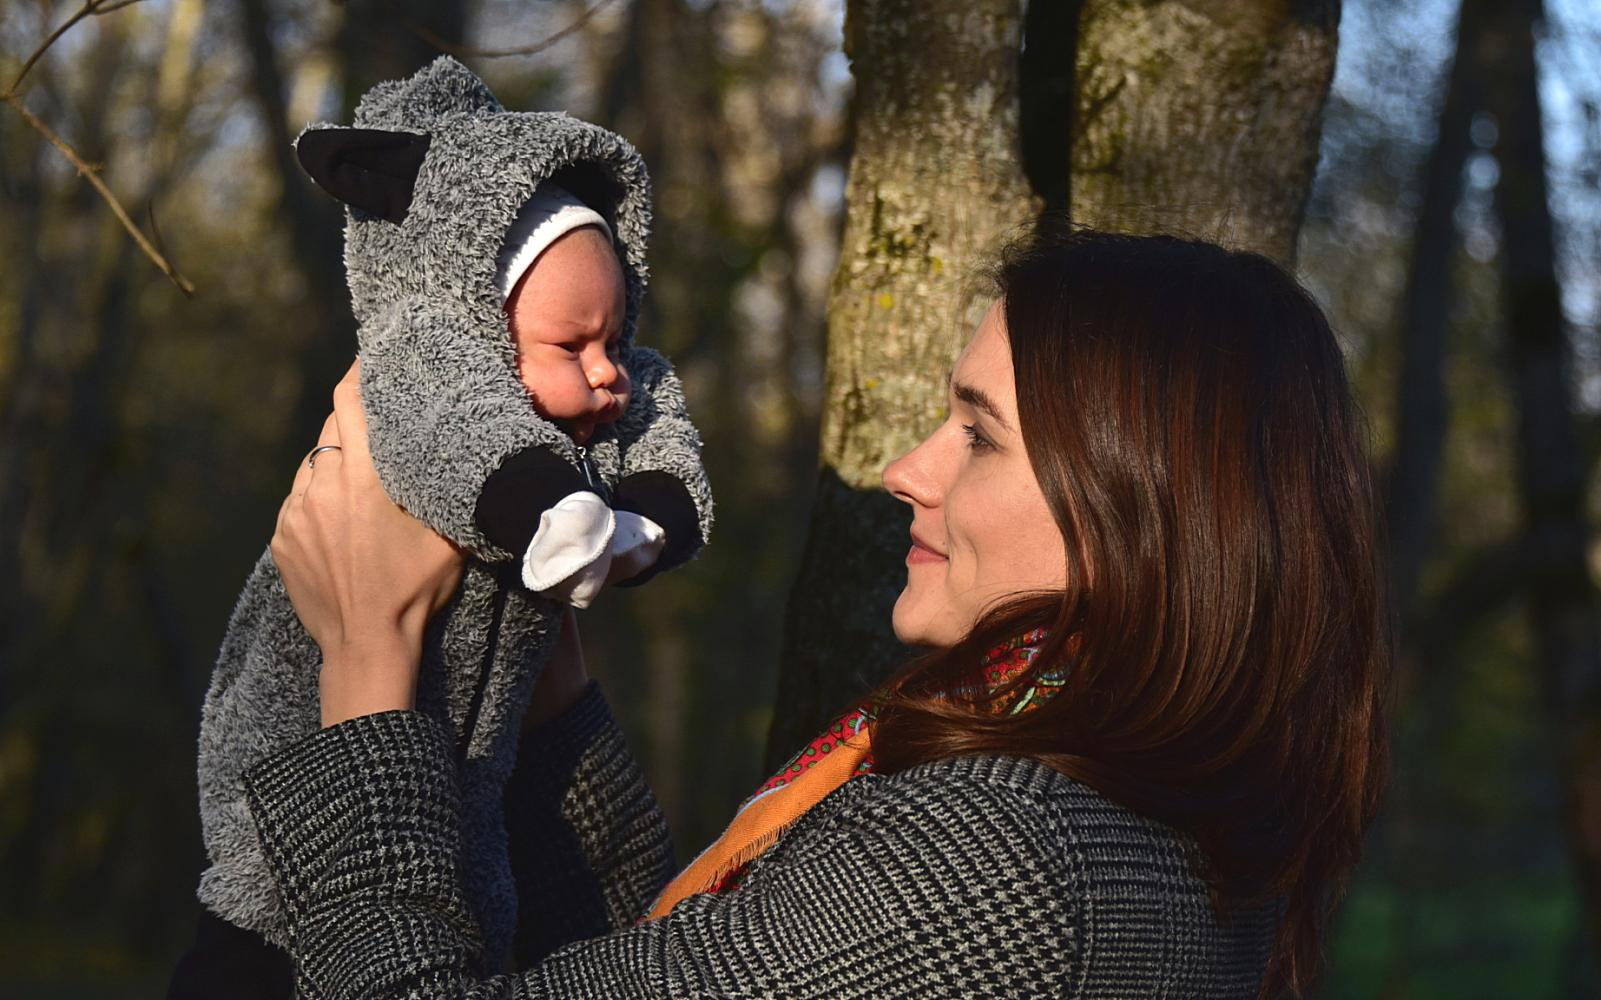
column 567, row 559
column 635, row 546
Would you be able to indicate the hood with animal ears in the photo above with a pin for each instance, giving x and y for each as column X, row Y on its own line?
column 433, row 173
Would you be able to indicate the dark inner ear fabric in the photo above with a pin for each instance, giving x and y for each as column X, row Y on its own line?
column 590, row 185
column 370, row 169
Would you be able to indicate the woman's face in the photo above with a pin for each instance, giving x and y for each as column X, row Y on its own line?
column 981, row 530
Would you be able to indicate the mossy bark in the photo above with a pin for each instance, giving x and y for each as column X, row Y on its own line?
column 1198, row 117
column 1201, row 117
column 936, row 185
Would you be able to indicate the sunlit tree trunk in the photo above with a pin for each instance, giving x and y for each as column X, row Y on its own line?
column 1193, row 117
column 936, row 182
column 1200, row 117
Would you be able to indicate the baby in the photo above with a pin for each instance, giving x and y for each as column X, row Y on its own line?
column 566, row 304
column 496, row 265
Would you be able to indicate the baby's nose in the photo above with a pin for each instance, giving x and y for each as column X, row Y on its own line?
column 601, row 374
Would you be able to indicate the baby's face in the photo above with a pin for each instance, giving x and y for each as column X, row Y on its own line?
column 566, row 316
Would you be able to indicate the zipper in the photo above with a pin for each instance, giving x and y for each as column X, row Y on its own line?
column 592, row 474
column 498, row 614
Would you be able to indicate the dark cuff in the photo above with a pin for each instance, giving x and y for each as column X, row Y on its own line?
column 526, row 485
column 560, row 899
column 552, row 751
column 663, row 498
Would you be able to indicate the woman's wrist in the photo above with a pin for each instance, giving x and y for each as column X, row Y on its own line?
column 369, row 675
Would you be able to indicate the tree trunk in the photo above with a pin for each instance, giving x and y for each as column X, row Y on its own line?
column 1430, row 634
column 1421, row 407
column 936, row 182
column 375, row 42
column 1198, row 117
column 1201, row 117
column 1552, row 464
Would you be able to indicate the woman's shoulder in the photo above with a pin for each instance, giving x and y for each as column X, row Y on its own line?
column 1128, row 885
column 1063, row 817
column 1031, row 790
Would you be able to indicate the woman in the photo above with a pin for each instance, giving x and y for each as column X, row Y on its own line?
column 1137, row 758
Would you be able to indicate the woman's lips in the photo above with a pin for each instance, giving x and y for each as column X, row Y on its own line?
column 920, row 553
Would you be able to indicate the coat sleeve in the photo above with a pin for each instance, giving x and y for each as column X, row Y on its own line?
column 584, row 829
column 897, row 897
column 662, row 476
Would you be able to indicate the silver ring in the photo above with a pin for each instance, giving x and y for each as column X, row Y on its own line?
column 311, row 459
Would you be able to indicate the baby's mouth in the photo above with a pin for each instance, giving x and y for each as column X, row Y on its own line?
column 583, row 430
column 611, row 411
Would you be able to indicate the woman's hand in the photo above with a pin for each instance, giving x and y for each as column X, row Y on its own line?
column 363, row 575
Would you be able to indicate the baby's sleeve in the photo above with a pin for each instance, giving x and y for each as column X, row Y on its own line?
column 662, row 477
column 454, row 437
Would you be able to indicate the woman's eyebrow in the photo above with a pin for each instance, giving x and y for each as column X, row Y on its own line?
column 977, row 398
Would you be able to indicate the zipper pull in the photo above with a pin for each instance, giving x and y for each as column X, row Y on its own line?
column 591, row 474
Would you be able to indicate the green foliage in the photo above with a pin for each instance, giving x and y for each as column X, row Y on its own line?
column 1479, row 940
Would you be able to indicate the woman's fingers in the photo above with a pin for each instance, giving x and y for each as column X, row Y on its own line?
column 327, row 438
column 348, row 414
column 329, row 435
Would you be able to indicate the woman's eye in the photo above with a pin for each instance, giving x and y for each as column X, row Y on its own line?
column 573, row 347
column 975, row 440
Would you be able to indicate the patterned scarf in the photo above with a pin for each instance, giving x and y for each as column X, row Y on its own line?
column 841, row 752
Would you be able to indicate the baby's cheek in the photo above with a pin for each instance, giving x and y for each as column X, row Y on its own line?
column 528, row 374
column 550, row 389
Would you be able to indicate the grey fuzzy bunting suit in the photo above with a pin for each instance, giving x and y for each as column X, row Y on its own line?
column 433, row 173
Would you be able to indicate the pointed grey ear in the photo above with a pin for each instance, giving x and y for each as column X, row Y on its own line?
column 370, row 169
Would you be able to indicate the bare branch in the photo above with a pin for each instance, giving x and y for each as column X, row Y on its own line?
column 92, row 175
column 461, row 51
column 90, row 7
column 106, row 8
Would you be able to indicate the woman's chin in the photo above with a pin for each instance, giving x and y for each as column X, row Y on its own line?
column 913, row 626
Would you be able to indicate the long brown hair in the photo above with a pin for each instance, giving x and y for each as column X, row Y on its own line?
column 1224, row 634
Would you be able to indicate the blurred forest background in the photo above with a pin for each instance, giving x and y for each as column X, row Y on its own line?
column 147, row 436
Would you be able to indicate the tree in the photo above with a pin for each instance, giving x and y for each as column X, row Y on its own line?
column 1552, row 464
column 936, row 179
column 1196, row 117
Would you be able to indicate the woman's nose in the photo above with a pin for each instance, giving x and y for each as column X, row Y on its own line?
column 910, row 478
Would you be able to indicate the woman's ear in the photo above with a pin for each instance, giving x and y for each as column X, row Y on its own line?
column 370, row 169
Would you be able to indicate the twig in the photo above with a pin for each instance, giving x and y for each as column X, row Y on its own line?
column 155, row 230
column 108, row 8
column 92, row 175
column 89, row 7
column 450, row 48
